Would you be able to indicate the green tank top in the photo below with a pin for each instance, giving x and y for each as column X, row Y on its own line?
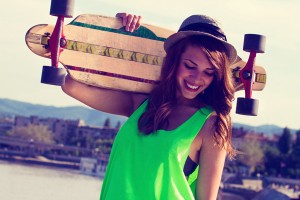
column 150, row 167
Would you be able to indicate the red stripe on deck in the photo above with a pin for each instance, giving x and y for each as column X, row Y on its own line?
column 93, row 71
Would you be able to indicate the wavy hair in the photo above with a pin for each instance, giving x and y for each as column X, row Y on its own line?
column 218, row 95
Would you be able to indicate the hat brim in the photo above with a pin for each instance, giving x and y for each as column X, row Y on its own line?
column 176, row 37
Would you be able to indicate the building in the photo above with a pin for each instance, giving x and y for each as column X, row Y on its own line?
column 75, row 142
column 72, row 133
column 6, row 124
column 59, row 127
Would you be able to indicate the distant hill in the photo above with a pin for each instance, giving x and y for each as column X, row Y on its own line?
column 10, row 107
column 266, row 129
column 90, row 116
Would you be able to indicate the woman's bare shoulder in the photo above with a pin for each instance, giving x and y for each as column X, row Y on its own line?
column 138, row 99
column 206, row 133
column 209, row 128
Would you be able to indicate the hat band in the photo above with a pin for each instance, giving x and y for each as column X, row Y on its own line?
column 206, row 28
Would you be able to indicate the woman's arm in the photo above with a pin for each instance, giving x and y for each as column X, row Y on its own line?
column 211, row 164
column 106, row 100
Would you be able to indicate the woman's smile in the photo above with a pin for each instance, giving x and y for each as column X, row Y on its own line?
column 191, row 87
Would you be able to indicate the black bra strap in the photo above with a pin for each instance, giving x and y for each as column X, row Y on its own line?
column 189, row 166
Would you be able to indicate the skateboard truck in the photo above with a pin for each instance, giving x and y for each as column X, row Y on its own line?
column 53, row 74
column 254, row 44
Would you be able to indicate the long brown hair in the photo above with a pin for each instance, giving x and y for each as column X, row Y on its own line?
column 218, row 95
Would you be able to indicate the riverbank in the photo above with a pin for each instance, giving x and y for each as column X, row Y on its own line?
column 42, row 161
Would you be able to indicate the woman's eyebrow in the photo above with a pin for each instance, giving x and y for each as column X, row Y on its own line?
column 187, row 59
column 211, row 69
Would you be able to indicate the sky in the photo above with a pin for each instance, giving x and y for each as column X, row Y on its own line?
column 279, row 102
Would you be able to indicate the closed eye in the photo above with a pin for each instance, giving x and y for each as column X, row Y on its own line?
column 210, row 72
column 189, row 66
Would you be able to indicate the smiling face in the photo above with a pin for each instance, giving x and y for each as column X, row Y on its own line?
column 195, row 73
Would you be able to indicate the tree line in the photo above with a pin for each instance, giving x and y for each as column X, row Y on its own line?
column 279, row 159
column 41, row 134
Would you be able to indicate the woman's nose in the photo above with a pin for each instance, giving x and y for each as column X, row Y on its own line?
column 197, row 75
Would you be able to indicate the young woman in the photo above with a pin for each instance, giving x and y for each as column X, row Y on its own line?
column 184, row 123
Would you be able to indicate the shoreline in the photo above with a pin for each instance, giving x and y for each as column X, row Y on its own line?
column 41, row 161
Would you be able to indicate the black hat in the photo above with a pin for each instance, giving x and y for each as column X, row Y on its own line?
column 201, row 25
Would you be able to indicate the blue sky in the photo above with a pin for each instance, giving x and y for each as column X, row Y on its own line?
column 278, row 20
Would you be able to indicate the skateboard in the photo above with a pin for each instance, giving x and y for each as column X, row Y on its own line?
column 99, row 52
column 96, row 50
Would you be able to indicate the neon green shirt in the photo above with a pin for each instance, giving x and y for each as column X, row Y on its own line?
column 150, row 167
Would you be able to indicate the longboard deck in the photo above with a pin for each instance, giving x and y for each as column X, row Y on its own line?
column 101, row 53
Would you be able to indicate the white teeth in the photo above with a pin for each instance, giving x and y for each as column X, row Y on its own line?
column 192, row 86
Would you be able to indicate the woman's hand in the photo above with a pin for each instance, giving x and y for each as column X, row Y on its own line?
column 130, row 21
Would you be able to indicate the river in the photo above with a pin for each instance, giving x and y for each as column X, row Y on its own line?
column 26, row 182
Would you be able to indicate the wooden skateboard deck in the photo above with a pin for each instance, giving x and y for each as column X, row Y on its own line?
column 101, row 53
